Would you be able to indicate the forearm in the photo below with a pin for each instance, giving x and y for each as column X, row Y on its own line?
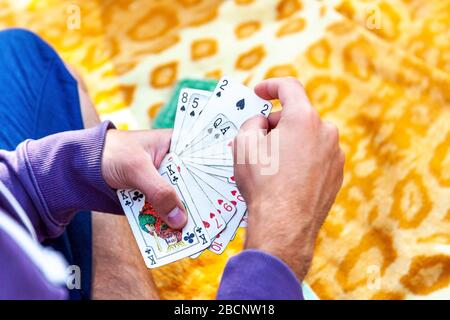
column 253, row 274
column 56, row 176
column 118, row 269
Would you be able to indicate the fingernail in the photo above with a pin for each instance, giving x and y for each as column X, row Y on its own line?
column 176, row 217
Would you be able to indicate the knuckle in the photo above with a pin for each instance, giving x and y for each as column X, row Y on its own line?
column 134, row 164
column 341, row 158
column 254, row 123
column 332, row 133
column 297, row 84
column 293, row 80
column 311, row 112
column 163, row 135
column 314, row 114
column 163, row 193
column 311, row 115
column 245, row 126
column 240, row 138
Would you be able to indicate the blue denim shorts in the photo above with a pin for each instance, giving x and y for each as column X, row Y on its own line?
column 39, row 97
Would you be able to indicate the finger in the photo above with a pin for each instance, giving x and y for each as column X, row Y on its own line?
column 155, row 142
column 245, row 142
column 164, row 138
column 288, row 90
column 274, row 118
column 162, row 197
column 332, row 133
column 256, row 123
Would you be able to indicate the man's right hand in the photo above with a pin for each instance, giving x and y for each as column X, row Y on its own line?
column 287, row 207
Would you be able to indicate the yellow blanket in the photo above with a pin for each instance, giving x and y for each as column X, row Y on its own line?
column 379, row 69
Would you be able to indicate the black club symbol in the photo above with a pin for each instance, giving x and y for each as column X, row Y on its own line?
column 127, row 203
column 137, row 196
column 189, row 237
column 198, row 229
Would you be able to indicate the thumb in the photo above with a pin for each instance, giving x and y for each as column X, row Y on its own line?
column 162, row 197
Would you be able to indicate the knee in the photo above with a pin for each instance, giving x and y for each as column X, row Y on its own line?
column 25, row 43
column 18, row 36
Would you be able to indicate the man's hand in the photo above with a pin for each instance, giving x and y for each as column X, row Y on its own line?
column 287, row 208
column 130, row 160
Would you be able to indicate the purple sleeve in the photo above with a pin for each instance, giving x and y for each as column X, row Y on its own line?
column 256, row 275
column 54, row 177
column 20, row 278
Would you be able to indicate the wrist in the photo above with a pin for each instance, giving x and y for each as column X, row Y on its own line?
column 295, row 248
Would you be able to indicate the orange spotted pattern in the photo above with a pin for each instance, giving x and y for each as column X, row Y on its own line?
column 379, row 69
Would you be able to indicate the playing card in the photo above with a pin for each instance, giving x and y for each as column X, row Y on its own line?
column 165, row 117
column 200, row 169
column 235, row 233
column 222, row 240
column 190, row 104
column 235, row 101
column 219, row 148
column 158, row 243
column 244, row 220
column 194, row 102
column 219, row 130
column 227, row 190
column 211, row 219
column 221, row 172
column 224, row 207
column 210, row 161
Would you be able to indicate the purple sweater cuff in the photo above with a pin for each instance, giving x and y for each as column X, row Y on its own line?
column 256, row 275
column 65, row 170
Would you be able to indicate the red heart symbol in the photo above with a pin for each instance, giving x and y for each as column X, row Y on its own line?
column 206, row 224
column 218, row 236
column 233, row 202
column 211, row 215
column 220, row 201
column 233, row 192
column 178, row 169
column 232, row 178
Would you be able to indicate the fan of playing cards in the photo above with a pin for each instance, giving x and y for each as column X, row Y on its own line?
column 200, row 169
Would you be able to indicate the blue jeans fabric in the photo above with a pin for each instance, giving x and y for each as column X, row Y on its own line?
column 39, row 97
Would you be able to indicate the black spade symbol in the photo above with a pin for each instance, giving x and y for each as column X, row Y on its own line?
column 217, row 136
column 192, row 113
column 219, row 94
column 182, row 108
column 240, row 104
column 209, row 130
